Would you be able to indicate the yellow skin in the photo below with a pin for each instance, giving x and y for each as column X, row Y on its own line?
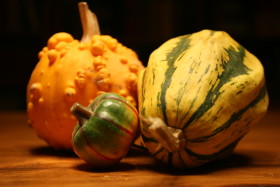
column 197, row 80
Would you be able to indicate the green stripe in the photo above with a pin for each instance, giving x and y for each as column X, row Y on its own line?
column 143, row 89
column 159, row 151
column 234, row 117
column 191, row 105
column 170, row 157
column 146, row 139
column 181, row 159
column 171, row 58
column 233, row 68
column 181, row 94
column 209, row 157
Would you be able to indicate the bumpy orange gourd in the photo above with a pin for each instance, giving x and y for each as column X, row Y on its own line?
column 77, row 71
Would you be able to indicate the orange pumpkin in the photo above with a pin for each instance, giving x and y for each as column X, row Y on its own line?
column 77, row 71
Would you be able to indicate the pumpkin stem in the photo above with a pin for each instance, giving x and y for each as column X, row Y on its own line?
column 170, row 138
column 89, row 22
column 81, row 112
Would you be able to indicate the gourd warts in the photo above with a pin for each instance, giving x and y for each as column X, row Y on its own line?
column 71, row 70
column 35, row 91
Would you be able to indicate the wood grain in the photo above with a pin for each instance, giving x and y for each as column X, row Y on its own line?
column 25, row 160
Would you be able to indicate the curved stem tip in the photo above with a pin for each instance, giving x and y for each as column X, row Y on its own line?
column 89, row 22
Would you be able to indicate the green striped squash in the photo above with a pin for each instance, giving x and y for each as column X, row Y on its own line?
column 198, row 96
column 105, row 130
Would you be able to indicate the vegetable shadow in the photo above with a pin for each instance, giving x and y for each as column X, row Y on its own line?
column 233, row 161
column 50, row 151
column 138, row 152
column 120, row 167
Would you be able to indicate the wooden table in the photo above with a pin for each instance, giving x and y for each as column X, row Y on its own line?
column 26, row 160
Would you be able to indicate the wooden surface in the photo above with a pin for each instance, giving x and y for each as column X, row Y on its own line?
column 26, row 160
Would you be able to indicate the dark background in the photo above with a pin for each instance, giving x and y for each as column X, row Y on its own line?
column 143, row 25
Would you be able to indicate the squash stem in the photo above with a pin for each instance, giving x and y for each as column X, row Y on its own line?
column 81, row 112
column 89, row 22
column 170, row 138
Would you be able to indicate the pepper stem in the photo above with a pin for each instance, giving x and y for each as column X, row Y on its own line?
column 81, row 112
column 169, row 138
column 89, row 22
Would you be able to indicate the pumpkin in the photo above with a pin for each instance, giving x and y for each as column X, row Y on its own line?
column 105, row 130
column 77, row 71
column 198, row 96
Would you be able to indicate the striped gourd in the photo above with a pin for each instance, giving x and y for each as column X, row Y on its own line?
column 105, row 129
column 198, row 96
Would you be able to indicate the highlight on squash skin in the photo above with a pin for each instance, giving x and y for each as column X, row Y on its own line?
column 71, row 71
